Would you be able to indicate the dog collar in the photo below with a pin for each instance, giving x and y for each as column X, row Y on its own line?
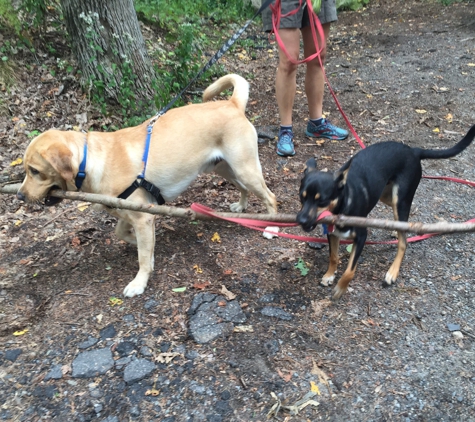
column 327, row 228
column 82, row 168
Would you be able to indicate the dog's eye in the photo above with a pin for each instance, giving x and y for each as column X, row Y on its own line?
column 33, row 171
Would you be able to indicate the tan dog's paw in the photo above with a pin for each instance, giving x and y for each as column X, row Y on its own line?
column 327, row 280
column 134, row 288
column 269, row 232
column 237, row 207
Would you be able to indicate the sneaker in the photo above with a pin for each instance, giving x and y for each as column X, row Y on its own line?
column 326, row 130
column 285, row 145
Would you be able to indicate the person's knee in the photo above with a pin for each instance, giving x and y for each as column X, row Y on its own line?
column 287, row 67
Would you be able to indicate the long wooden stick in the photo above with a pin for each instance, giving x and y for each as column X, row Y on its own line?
column 340, row 220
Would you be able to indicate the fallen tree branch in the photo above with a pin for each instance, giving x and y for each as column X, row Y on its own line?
column 341, row 220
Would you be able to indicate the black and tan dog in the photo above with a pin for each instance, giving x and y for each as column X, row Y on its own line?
column 387, row 171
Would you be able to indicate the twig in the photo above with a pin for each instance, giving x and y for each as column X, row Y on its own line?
column 56, row 217
column 340, row 220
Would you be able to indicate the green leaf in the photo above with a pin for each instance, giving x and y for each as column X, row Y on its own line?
column 349, row 248
column 179, row 289
column 302, row 267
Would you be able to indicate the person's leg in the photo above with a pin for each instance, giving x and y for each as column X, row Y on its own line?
column 314, row 79
column 285, row 87
column 314, row 89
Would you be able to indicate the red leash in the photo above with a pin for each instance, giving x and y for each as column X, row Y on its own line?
column 261, row 225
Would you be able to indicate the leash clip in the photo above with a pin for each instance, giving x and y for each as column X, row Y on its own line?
column 153, row 120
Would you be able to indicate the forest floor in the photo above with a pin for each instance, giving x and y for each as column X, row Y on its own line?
column 402, row 72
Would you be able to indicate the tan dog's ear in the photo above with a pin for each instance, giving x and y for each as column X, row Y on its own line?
column 60, row 159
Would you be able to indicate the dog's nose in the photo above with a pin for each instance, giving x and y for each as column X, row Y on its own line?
column 20, row 196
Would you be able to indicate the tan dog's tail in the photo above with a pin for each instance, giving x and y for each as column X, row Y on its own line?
column 240, row 93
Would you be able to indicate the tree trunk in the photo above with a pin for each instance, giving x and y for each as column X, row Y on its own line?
column 109, row 47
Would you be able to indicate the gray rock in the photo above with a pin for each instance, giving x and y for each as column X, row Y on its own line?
column 119, row 363
column 92, row 363
column 55, row 373
column 145, row 351
column 150, row 305
column 453, row 327
column 128, row 318
column 273, row 311
column 268, row 298
column 138, row 369
column 111, row 419
column 108, row 332
column 209, row 320
column 91, row 341
column 12, row 354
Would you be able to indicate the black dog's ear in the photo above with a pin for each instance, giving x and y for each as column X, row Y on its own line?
column 311, row 165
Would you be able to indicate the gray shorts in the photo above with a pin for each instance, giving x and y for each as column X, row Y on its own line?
column 300, row 19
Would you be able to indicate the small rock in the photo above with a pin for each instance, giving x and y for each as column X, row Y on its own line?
column 134, row 412
column 315, row 245
column 137, row 370
column 55, row 373
column 91, row 341
column 108, row 332
column 12, row 354
column 145, row 351
column 124, row 348
column 225, row 395
column 453, row 327
column 92, row 363
column 273, row 311
column 272, row 347
column 457, row 334
column 128, row 318
column 268, row 298
column 150, row 305
column 119, row 363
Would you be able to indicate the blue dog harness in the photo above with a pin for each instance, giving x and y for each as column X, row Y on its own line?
column 140, row 182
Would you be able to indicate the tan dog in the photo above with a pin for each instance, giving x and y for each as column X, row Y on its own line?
column 185, row 142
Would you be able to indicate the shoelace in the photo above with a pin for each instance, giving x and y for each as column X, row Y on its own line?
column 285, row 137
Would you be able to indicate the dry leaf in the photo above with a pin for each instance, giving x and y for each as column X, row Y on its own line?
column 243, row 329
column 201, row 286
column 152, row 392
column 167, row 226
column 20, row 333
column 216, row 238
column 420, row 111
column 166, row 357
column 314, row 388
column 227, row 293
column 17, row 162
column 197, row 269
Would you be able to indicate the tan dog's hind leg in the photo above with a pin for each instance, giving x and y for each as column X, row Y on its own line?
column 333, row 244
column 393, row 272
column 248, row 180
column 347, row 276
column 144, row 228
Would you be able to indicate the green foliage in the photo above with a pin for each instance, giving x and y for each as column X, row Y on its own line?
column 302, row 267
column 351, row 4
column 170, row 14
column 26, row 14
column 9, row 16
column 449, row 2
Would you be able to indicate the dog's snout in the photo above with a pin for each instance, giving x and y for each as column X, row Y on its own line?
column 20, row 196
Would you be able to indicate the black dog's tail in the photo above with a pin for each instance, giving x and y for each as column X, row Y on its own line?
column 447, row 153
